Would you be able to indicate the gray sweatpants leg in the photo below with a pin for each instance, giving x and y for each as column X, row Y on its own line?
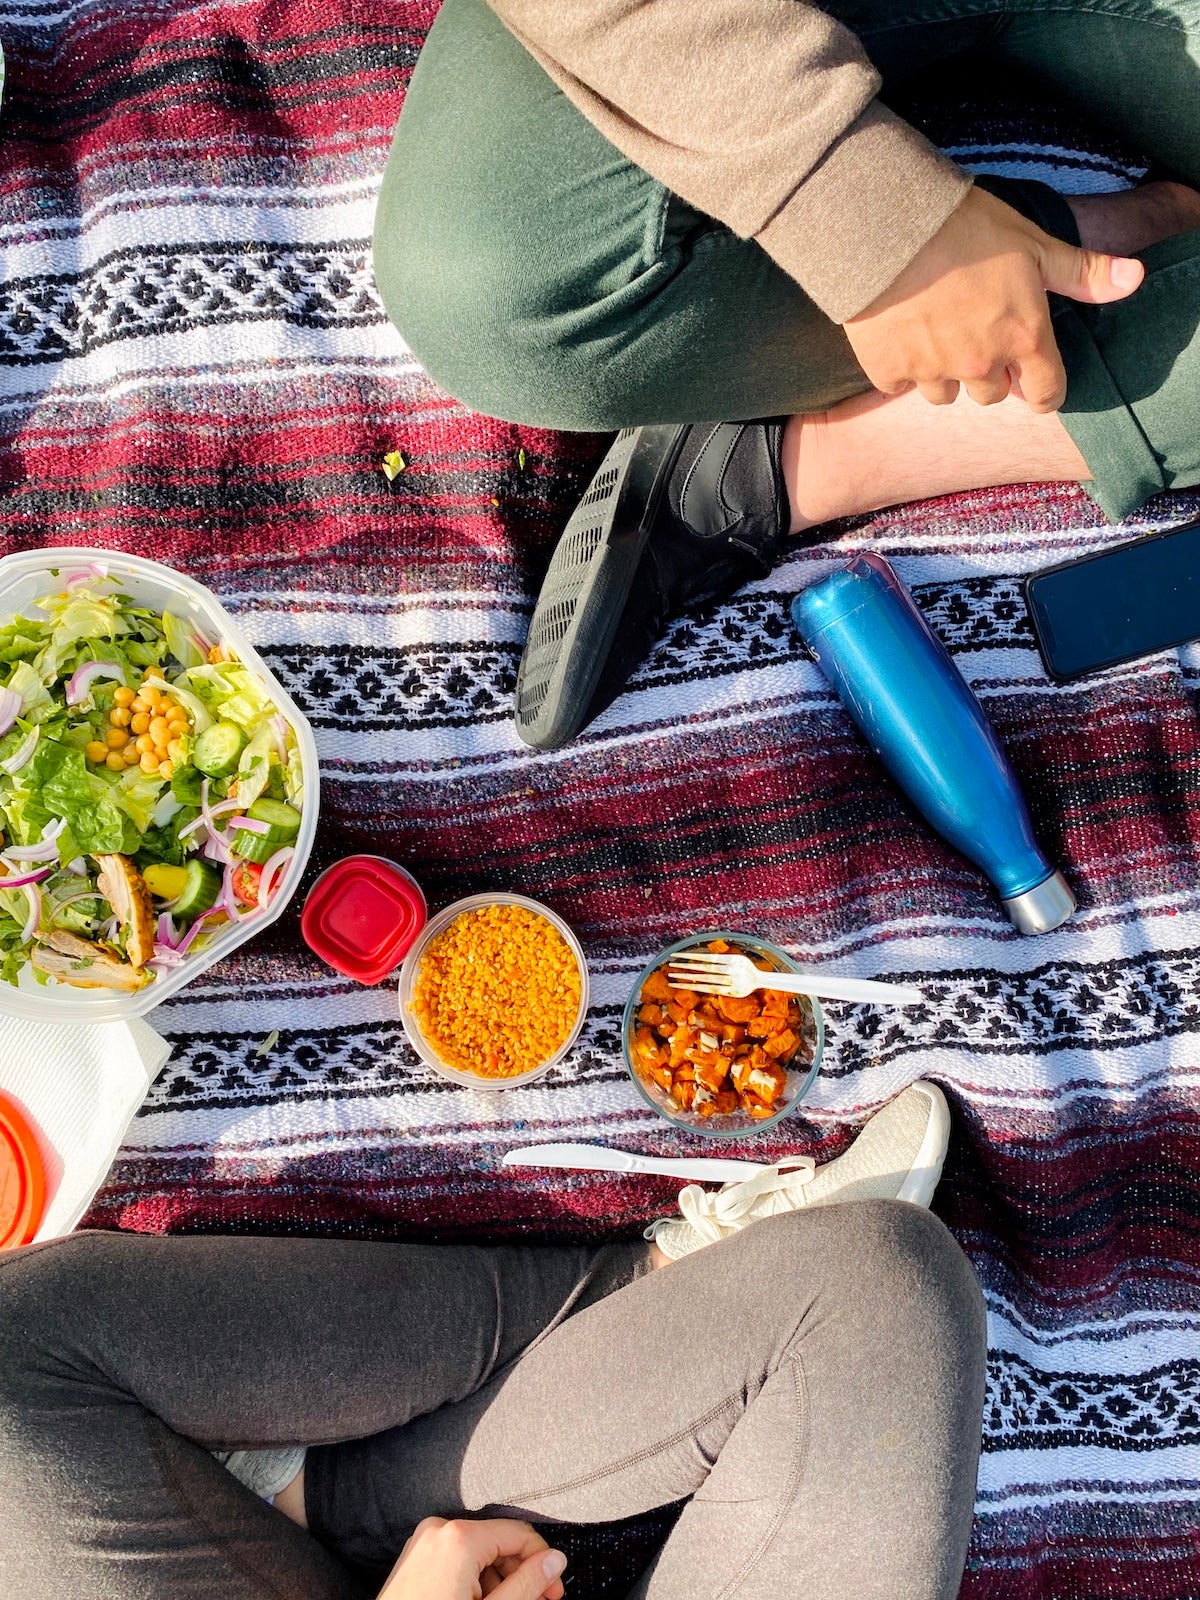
column 814, row 1384
column 125, row 1359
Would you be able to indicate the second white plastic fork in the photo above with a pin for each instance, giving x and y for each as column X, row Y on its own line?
column 709, row 972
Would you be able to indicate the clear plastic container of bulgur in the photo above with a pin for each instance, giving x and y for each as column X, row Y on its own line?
column 410, row 996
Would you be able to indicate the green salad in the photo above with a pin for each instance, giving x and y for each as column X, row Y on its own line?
column 150, row 791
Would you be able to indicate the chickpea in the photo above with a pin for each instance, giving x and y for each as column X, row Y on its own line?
column 160, row 731
column 166, row 768
column 133, row 756
column 149, row 762
column 145, row 744
column 115, row 761
column 123, row 697
column 120, row 717
column 140, row 722
column 139, row 706
column 175, row 749
column 97, row 750
column 117, row 738
column 177, row 717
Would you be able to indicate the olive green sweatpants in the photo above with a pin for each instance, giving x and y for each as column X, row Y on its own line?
column 543, row 278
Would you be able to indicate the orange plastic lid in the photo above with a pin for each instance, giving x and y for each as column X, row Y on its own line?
column 22, row 1177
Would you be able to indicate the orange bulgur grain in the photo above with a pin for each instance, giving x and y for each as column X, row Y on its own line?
column 497, row 992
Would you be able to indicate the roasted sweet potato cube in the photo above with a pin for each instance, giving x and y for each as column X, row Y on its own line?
column 712, row 1071
column 740, row 1074
column 666, row 1028
column 761, row 1027
column 775, row 1004
column 679, row 1045
column 727, row 1101
column 656, row 988
column 650, row 1015
column 755, row 1106
column 768, row 1082
column 781, row 1045
column 687, row 998
column 685, row 1071
column 737, row 1010
column 683, row 1091
column 705, row 1102
column 677, row 1013
column 720, row 947
column 733, row 1033
column 662, row 1076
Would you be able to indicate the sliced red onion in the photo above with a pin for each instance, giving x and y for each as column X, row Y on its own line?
column 251, row 825
column 87, row 894
column 44, row 850
column 229, row 901
column 185, row 943
column 81, row 680
column 279, row 727
column 166, row 956
column 275, row 864
column 94, row 569
column 207, row 820
column 109, row 930
column 11, row 704
column 22, row 753
column 215, row 849
column 34, row 896
column 201, row 642
column 166, row 931
column 78, row 867
column 22, row 880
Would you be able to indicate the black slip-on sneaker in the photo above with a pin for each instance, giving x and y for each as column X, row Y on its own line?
column 676, row 515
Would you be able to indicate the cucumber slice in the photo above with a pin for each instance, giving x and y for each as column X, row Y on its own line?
column 200, row 893
column 258, row 847
column 282, row 819
column 217, row 749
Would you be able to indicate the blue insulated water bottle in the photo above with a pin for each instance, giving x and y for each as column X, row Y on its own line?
column 896, row 679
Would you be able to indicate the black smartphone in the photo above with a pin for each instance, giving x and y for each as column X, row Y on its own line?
column 1129, row 601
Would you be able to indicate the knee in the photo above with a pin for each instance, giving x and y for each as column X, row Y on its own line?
column 890, row 1267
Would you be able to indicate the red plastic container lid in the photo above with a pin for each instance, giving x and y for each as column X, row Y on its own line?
column 22, row 1178
column 362, row 915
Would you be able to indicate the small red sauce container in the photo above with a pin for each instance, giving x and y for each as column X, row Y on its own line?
column 361, row 916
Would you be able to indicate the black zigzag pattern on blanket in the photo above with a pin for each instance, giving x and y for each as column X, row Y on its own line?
column 1026, row 1409
column 429, row 685
column 168, row 289
column 1113, row 1005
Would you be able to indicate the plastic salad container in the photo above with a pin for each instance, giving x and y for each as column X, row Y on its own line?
column 412, row 965
column 735, row 1124
column 29, row 577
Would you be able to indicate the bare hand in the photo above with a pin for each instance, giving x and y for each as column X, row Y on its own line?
column 465, row 1560
column 971, row 308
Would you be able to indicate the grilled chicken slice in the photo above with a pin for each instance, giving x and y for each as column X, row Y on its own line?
column 83, row 964
column 123, row 886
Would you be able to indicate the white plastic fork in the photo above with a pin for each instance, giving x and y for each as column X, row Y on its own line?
column 709, row 972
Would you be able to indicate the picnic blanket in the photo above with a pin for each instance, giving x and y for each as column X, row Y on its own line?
column 194, row 366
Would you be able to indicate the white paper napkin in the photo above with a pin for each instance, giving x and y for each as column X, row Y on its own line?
column 80, row 1087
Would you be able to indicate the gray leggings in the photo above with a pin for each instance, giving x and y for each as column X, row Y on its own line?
column 813, row 1384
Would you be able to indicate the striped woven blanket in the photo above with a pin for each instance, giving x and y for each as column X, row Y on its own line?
column 194, row 366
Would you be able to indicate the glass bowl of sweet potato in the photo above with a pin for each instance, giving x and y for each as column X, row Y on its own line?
column 712, row 1064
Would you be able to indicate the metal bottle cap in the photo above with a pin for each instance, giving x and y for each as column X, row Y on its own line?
column 1047, row 905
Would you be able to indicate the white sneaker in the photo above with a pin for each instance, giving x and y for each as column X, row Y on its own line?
column 897, row 1156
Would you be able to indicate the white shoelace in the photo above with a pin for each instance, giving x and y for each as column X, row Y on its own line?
column 715, row 1216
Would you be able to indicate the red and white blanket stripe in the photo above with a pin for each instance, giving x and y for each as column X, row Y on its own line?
column 194, row 366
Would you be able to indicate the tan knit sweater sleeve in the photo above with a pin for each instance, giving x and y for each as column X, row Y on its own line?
column 762, row 114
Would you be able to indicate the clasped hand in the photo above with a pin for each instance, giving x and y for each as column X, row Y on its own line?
column 971, row 309
column 465, row 1560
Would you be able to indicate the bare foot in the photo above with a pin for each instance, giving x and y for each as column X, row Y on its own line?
column 1129, row 220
